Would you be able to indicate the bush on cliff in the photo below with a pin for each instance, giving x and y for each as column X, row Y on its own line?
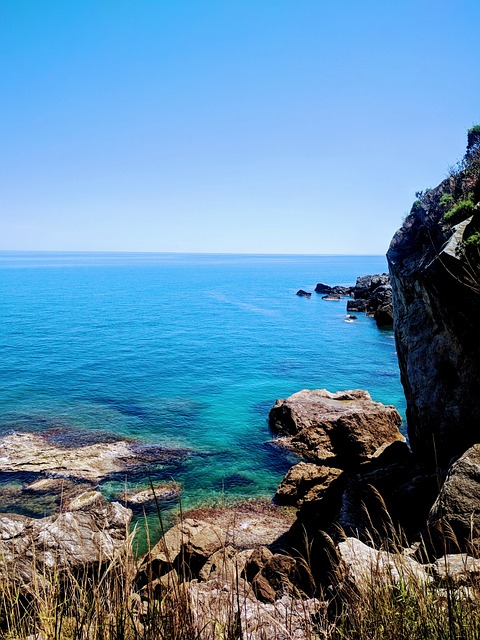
column 461, row 211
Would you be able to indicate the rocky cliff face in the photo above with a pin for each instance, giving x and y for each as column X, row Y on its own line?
column 434, row 262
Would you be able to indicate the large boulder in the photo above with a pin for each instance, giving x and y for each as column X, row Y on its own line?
column 435, row 279
column 366, row 285
column 362, row 566
column 302, row 477
column 455, row 516
column 339, row 429
column 88, row 533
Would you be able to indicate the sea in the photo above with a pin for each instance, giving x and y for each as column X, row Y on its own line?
column 182, row 351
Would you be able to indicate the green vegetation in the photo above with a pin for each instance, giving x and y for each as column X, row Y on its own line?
column 473, row 240
column 447, row 201
column 473, row 140
column 460, row 211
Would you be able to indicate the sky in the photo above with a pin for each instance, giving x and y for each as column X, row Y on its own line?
column 228, row 126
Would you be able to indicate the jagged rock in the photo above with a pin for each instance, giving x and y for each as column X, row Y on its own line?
column 300, row 478
column 227, row 563
column 303, row 294
column 360, row 564
column 366, row 285
column 337, row 289
column 359, row 306
column 91, row 532
column 337, row 429
column 191, row 540
column 436, row 286
column 212, row 603
column 256, row 562
column 458, row 504
column 384, row 315
column 323, row 288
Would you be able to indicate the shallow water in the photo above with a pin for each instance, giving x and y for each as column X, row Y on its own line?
column 182, row 350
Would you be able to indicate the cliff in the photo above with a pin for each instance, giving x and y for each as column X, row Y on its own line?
column 434, row 262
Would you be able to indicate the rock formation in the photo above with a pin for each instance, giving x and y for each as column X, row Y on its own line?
column 89, row 532
column 434, row 263
column 335, row 428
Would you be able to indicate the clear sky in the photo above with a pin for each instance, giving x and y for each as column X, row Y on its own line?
column 269, row 126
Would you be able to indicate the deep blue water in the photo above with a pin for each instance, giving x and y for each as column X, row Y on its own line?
column 183, row 350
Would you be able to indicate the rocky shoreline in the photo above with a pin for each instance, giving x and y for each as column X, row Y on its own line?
column 356, row 467
column 371, row 294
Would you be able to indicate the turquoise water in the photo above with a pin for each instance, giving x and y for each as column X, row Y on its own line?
column 182, row 350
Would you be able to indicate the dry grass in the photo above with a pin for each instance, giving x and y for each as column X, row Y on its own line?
column 109, row 604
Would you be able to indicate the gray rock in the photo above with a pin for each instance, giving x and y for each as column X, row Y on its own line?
column 436, row 301
column 457, row 508
column 359, row 564
column 88, row 533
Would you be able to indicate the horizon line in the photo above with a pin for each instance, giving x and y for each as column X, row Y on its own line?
column 198, row 253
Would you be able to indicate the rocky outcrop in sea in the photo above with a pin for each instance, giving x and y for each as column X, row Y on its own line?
column 371, row 294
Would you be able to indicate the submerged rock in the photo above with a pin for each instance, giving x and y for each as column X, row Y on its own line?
column 33, row 453
column 337, row 429
column 304, row 294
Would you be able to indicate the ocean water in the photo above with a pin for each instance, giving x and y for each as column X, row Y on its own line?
column 186, row 351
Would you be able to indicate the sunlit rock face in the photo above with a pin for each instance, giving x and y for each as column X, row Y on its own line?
column 436, row 298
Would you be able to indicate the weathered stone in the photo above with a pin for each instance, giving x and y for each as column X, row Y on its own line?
column 338, row 429
column 196, row 539
column 227, row 563
column 161, row 491
column 457, row 507
column 304, row 294
column 300, row 478
column 332, row 296
column 91, row 532
column 359, row 306
column 366, row 285
column 256, row 562
column 249, row 524
column 360, row 564
column 212, row 603
column 457, row 569
column 262, row 589
column 280, row 571
column 31, row 452
column 436, row 300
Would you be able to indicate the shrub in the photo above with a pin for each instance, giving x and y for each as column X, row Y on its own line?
column 447, row 201
column 473, row 240
column 462, row 210
column 473, row 138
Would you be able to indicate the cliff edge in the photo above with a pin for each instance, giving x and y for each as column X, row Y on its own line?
column 434, row 262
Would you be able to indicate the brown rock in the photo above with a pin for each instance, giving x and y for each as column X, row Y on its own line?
column 299, row 479
column 262, row 589
column 338, row 429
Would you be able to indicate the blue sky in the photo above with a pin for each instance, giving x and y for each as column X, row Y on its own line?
column 269, row 126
